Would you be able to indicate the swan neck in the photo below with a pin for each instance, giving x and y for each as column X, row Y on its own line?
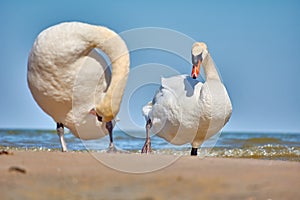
column 115, row 48
column 210, row 70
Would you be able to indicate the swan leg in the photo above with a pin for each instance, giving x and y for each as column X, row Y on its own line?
column 147, row 146
column 60, row 133
column 194, row 151
column 111, row 147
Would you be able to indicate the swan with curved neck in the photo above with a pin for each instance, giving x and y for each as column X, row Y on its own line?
column 72, row 82
column 184, row 110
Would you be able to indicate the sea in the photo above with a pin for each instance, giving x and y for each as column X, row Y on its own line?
column 268, row 146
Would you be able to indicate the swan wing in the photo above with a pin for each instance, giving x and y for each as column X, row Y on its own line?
column 175, row 108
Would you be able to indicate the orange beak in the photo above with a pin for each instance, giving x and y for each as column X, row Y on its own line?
column 196, row 70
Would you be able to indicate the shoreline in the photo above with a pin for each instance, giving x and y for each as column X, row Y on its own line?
column 79, row 175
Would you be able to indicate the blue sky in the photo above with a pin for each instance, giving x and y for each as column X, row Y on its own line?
column 255, row 45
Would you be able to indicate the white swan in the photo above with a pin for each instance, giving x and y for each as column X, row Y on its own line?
column 185, row 110
column 71, row 82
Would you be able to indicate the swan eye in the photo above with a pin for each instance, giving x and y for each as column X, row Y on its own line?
column 195, row 59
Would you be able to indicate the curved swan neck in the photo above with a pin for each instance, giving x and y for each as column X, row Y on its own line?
column 115, row 48
column 210, row 70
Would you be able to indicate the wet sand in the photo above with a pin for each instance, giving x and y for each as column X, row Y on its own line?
column 79, row 175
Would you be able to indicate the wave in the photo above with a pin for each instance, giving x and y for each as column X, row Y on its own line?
column 267, row 151
column 273, row 146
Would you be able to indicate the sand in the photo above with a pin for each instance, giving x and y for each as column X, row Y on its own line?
column 79, row 175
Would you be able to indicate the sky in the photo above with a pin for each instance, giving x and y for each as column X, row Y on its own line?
column 255, row 45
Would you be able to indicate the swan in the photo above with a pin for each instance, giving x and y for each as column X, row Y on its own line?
column 185, row 110
column 71, row 82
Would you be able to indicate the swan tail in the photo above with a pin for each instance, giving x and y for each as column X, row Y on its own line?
column 146, row 110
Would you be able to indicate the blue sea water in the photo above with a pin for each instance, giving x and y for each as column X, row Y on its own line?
column 273, row 146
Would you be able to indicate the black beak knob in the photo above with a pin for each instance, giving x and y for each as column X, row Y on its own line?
column 99, row 118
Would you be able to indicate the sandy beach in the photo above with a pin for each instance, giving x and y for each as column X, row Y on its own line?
column 79, row 175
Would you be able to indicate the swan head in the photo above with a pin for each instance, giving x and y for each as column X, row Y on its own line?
column 199, row 53
column 102, row 116
column 105, row 112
